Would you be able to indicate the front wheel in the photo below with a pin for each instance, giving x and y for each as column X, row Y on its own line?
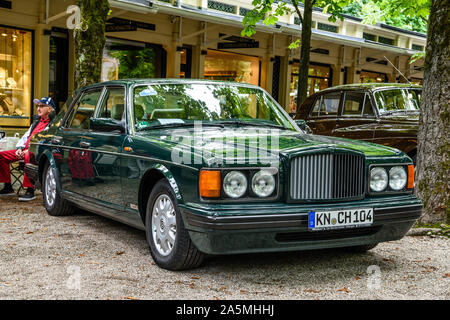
column 169, row 241
column 54, row 204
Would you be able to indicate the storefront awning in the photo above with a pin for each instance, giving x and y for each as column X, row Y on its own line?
column 146, row 6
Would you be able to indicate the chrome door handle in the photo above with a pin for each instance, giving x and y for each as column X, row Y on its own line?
column 84, row 144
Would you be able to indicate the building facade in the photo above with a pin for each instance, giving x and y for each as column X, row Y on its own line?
column 191, row 39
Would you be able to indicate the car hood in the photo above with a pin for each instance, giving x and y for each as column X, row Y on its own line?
column 222, row 144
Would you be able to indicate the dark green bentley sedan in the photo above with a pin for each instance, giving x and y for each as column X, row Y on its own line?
column 210, row 167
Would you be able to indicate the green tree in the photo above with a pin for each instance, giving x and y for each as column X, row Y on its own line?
column 89, row 41
column 270, row 10
column 406, row 15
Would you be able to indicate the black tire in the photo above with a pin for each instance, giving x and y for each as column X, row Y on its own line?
column 181, row 254
column 58, row 206
column 362, row 248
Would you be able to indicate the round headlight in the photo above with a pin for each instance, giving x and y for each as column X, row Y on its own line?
column 235, row 184
column 263, row 183
column 397, row 178
column 378, row 179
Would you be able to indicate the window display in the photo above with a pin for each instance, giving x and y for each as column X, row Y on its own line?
column 372, row 77
column 231, row 67
column 15, row 77
column 123, row 59
column 319, row 78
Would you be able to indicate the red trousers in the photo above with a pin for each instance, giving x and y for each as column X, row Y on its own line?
column 7, row 157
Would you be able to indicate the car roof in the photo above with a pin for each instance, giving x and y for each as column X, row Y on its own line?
column 370, row 86
column 166, row 81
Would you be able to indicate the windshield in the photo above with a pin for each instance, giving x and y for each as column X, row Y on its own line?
column 159, row 105
column 398, row 100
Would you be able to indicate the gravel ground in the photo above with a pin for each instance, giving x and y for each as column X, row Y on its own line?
column 86, row 256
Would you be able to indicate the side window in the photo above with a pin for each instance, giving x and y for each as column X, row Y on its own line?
column 326, row 105
column 368, row 110
column 353, row 104
column 114, row 104
column 83, row 110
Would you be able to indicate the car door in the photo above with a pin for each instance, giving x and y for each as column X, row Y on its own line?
column 323, row 116
column 75, row 165
column 103, row 148
column 357, row 119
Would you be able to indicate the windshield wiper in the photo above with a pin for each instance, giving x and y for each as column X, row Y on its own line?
column 180, row 125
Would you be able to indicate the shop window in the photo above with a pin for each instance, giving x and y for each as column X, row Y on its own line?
column 231, row 67
column 124, row 59
column 186, row 62
column 319, row 78
column 372, row 77
column 15, row 77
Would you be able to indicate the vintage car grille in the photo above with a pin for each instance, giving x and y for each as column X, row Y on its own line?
column 327, row 176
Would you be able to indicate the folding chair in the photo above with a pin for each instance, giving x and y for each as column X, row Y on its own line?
column 17, row 171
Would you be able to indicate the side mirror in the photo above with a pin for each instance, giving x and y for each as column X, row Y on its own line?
column 107, row 125
column 2, row 134
column 302, row 125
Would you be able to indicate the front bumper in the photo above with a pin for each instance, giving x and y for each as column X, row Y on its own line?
column 227, row 229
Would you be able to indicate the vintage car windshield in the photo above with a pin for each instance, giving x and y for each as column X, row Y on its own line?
column 398, row 100
column 157, row 105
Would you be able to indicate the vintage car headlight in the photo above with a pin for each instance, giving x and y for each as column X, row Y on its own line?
column 397, row 178
column 378, row 179
column 235, row 184
column 263, row 183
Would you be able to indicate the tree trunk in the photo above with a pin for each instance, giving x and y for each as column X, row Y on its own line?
column 433, row 156
column 89, row 41
column 304, row 54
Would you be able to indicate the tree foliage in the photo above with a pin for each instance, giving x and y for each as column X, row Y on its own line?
column 405, row 14
column 269, row 12
column 89, row 41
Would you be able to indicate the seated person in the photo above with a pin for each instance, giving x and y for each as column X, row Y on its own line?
column 45, row 108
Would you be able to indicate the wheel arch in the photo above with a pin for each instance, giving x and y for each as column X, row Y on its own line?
column 149, row 180
column 45, row 158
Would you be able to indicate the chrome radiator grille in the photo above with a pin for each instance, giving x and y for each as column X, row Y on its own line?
column 327, row 176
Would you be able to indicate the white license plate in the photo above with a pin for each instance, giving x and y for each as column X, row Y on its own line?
column 344, row 218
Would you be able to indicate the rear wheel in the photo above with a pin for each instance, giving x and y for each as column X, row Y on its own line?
column 54, row 204
column 169, row 241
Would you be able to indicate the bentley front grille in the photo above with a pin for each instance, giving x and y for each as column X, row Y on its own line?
column 327, row 177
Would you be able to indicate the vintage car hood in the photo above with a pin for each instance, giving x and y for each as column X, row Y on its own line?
column 214, row 143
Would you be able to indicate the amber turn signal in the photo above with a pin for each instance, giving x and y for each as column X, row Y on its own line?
column 410, row 176
column 210, row 183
